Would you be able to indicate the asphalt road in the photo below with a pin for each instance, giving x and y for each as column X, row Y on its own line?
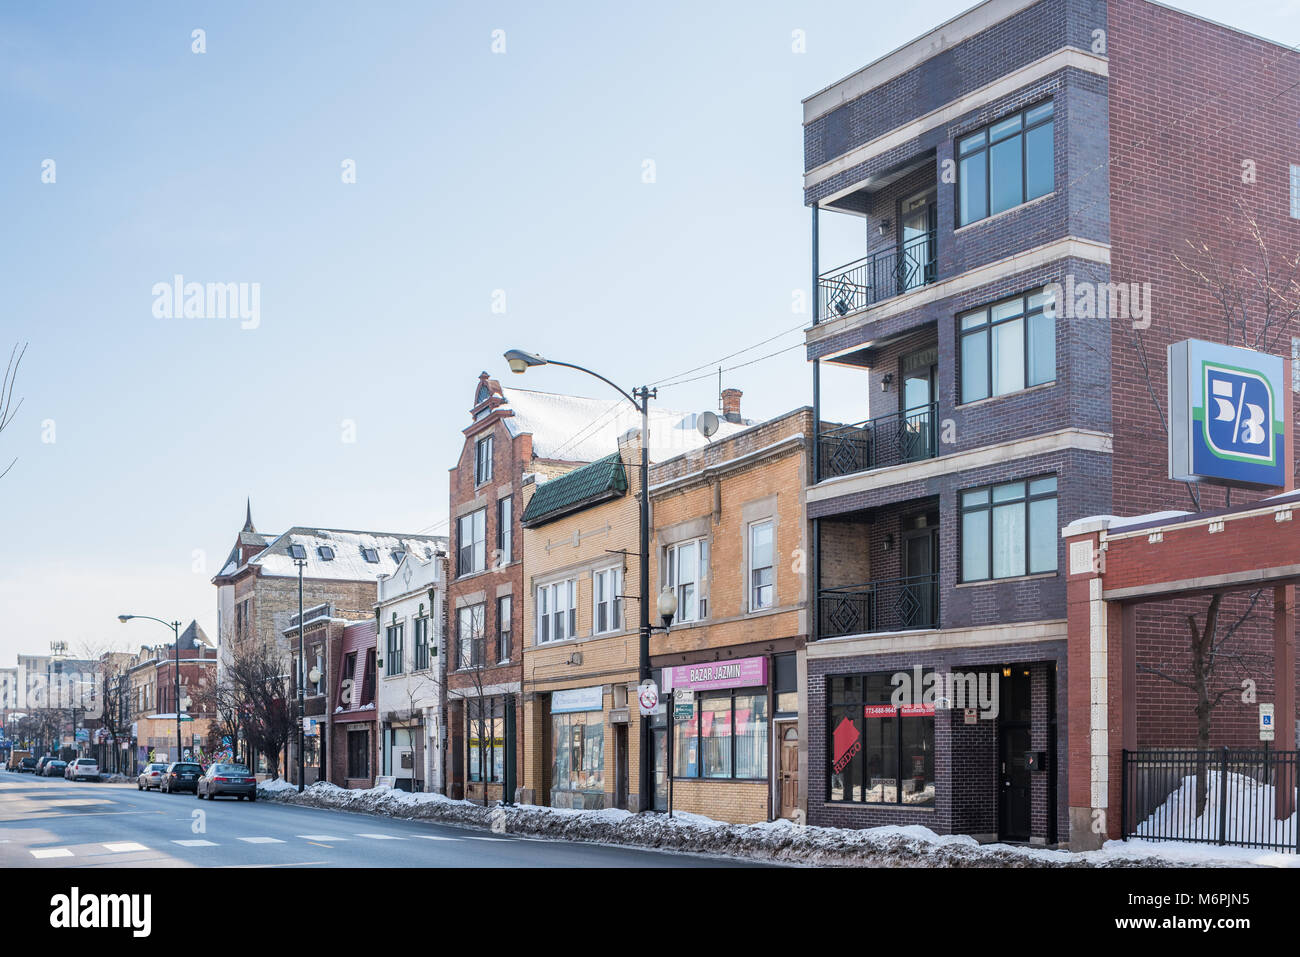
column 49, row 822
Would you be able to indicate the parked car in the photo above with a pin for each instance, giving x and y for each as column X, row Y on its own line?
column 232, row 779
column 40, row 765
column 151, row 777
column 28, row 765
column 82, row 769
column 16, row 757
column 181, row 776
column 54, row 768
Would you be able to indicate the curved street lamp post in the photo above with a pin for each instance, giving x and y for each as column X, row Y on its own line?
column 640, row 397
column 175, row 626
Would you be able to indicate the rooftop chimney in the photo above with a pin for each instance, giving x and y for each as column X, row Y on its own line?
column 731, row 405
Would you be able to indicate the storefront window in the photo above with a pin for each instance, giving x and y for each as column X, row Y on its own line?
column 878, row 753
column 578, row 752
column 726, row 737
column 485, row 733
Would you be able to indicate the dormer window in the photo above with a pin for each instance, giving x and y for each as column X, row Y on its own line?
column 370, row 555
column 325, row 552
column 297, row 553
column 398, row 555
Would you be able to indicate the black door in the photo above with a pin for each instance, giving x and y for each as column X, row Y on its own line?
column 916, row 423
column 918, row 598
column 1014, row 823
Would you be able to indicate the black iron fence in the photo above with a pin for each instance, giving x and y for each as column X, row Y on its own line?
column 908, row 436
column 895, row 604
column 879, row 276
column 1222, row 796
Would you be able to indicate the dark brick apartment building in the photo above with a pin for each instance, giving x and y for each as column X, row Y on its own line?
column 1051, row 192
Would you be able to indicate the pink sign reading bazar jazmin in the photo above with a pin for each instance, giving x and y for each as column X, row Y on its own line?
column 740, row 673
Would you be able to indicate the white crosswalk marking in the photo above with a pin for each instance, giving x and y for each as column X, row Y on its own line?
column 51, row 852
column 435, row 837
column 261, row 840
column 124, row 847
column 469, row 838
column 381, row 837
column 321, row 837
column 196, row 843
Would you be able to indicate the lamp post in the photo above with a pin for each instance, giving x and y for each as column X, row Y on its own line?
column 175, row 626
column 300, row 559
column 640, row 397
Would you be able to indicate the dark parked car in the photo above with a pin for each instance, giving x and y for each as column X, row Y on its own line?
column 232, row 779
column 40, row 765
column 181, row 776
column 54, row 769
column 28, row 764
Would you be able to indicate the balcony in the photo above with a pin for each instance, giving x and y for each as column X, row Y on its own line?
column 907, row 436
column 896, row 604
column 880, row 276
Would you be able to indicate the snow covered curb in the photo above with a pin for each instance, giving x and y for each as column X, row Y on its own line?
column 777, row 841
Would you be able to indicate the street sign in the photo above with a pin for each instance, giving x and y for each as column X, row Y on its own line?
column 1266, row 726
column 683, row 704
column 647, row 697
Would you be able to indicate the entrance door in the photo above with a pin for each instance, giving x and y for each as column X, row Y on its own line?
column 916, row 242
column 1014, row 822
column 789, row 773
column 620, row 766
column 916, row 425
column 918, row 602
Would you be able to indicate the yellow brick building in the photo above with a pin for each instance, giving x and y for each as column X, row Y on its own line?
column 729, row 539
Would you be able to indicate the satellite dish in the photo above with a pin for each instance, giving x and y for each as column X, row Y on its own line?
column 707, row 423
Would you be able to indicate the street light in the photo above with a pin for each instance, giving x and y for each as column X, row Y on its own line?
column 175, row 626
column 640, row 397
column 299, row 554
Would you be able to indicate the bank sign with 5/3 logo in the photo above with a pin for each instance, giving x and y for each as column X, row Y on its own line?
column 1227, row 421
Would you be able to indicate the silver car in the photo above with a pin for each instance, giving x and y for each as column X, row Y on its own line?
column 82, row 769
column 151, row 778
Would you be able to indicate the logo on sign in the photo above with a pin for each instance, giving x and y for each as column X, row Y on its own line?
column 1239, row 415
column 847, row 743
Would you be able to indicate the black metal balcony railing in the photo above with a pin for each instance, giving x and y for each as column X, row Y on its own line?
column 907, row 436
column 880, row 276
column 896, row 604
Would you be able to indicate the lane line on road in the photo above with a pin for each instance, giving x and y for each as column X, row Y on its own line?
column 124, row 847
column 382, row 837
column 196, row 843
column 469, row 838
column 435, row 837
column 321, row 837
column 51, row 852
column 261, row 840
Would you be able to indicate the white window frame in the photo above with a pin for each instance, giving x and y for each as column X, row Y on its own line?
column 505, row 530
column 752, row 590
column 1295, row 191
column 608, row 581
column 464, row 661
column 692, row 607
column 478, row 554
column 556, row 623
column 483, row 460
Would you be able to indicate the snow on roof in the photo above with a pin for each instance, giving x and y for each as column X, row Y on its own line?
column 337, row 554
column 572, row 428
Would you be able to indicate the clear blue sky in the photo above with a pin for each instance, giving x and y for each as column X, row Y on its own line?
column 476, row 172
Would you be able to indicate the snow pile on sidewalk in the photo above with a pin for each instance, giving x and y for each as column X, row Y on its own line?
column 1250, row 805
column 775, row 841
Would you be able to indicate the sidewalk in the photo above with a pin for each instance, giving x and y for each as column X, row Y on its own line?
column 777, row 841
